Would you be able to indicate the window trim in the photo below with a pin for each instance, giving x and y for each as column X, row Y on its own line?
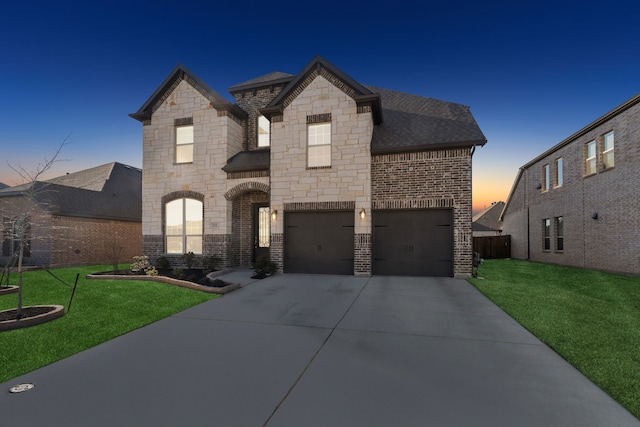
column 184, row 228
column 604, row 153
column 310, row 147
column 593, row 159
column 546, row 176
column 558, row 178
column 258, row 127
column 183, row 124
column 559, row 233
column 546, row 234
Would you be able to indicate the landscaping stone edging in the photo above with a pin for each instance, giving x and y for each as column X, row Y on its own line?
column 8, row 290
column 182, row 283
column 8, row 325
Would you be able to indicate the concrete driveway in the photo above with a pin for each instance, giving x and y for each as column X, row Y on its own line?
column 317, row 350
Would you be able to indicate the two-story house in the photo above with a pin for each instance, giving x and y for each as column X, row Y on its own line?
column 576, row 204
column 315, row 170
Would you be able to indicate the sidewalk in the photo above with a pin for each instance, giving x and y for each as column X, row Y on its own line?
column 318, row 350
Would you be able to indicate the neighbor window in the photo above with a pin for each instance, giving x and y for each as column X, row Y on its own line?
column 545, row 178
column 183, row 219
column 590, row 158
column 319, row 149
column 546, row 226
column 264, row 132
column 558, row 173
column 184, row 144
column 559, row 233
column 12, row 231
column 607, row 150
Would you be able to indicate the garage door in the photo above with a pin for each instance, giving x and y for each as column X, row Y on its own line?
column 318, row 242
column 413, row 242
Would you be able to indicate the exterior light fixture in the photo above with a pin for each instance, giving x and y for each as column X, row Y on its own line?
column 594, row 215
column 363, row 214
column 274, row 215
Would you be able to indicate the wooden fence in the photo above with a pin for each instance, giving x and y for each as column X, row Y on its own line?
column 492, row 246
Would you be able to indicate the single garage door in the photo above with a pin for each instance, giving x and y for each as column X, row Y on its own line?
column 413, row 242
column 318, row 242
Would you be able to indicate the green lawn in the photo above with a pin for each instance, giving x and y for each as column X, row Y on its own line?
column 100, row 311
column 590, row 318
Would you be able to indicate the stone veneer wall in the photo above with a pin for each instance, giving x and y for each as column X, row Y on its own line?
column 348, row 178
column 429, row 179
column 217, row 136
column 251, row 101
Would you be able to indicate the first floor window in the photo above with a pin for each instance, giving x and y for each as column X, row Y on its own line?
column 15, row 231
column 607, row 150
column 319, row 148
column 559, row 233
column 590, row 158
column 546, row 226
column 183, row 230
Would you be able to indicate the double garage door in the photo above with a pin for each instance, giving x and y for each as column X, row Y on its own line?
column 405, row 242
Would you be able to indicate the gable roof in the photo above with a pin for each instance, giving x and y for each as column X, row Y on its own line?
column 179, row 73
column 110, row 191
column 274, row 78
column 416, row 123
column 320, row 66
column 596, row 123
column 489, row 219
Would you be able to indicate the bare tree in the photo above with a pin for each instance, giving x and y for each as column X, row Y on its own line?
column 31, row 188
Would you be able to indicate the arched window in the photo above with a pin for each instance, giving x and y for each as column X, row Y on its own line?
column 183, row 226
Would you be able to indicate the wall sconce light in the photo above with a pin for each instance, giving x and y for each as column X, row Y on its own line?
column 363, row 214
column 594, row 215
column 538, row 187
column 274, row 215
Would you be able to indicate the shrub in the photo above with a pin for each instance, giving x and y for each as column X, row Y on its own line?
column 163, row 263
column 263, row 267
column 140, row 264
column 178, row 273
column 210, row 263
column 189, row 259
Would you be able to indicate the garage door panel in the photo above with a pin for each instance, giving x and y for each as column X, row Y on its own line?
column 319, row 242
column 413, row 242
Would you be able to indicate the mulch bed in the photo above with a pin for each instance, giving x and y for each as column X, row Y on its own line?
column 26, row 312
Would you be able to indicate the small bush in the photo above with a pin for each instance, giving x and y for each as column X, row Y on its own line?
column 189, row 259
column 178, row 273
column 140, row 264
column 163, row 263
column 263, row 267
column 210, row 263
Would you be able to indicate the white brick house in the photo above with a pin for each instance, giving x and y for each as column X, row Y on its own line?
column 323, row 174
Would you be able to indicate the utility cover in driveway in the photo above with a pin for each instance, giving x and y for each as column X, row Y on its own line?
column 413, row 242
column 318, row 242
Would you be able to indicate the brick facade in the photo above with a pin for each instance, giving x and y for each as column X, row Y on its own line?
column 429, row 180
column 611, row 242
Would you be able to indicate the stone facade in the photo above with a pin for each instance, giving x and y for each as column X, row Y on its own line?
column 356, row 180
column 609, row 242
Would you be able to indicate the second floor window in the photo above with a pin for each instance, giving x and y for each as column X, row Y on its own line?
column 264, row 131
column 607, row 150
column 590, row 158
column 184, row 144
column 558, row 181
column 545, row 178
column 319, row 148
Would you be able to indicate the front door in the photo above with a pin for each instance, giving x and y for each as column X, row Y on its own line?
column 261, row 231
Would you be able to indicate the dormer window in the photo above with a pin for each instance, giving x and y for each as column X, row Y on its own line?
column 264, row 131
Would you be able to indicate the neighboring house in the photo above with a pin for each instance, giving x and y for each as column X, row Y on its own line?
column 2, row 185
column 88, row 217
column 488, row 222
column 315, row 170
column 577, row 203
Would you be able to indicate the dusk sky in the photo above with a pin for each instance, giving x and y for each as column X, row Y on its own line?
column 533, row 73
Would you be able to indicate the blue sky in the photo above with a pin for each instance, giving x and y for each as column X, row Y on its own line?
column 532, row 72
